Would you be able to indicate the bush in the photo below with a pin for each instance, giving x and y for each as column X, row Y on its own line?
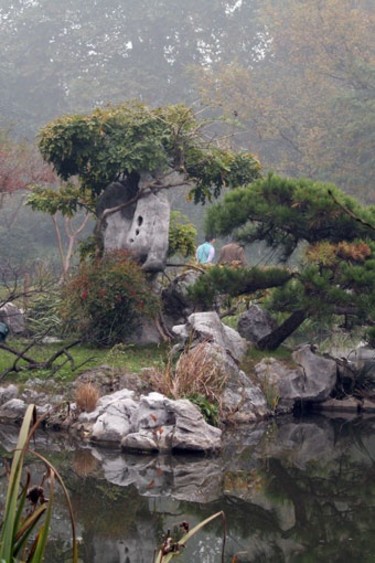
column 86, row 397
column 106, row 299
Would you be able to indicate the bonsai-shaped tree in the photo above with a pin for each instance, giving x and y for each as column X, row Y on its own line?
column 331, row 234
column 120, row 143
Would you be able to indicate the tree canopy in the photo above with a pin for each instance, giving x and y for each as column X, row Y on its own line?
column 333, row 240
column 121, row 142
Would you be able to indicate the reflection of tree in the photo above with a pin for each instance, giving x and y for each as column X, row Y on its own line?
column 331, row 500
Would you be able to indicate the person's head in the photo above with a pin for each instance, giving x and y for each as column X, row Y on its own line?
column 210, row 239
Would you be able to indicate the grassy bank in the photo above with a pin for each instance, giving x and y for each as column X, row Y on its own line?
column 129, row 358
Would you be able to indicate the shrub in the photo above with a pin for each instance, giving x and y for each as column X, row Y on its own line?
column 106, row 299
column 86, row 397
column 182, row 236
column 197, row 377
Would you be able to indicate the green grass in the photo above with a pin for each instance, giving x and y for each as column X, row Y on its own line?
column 254, row 356
column 128, row 357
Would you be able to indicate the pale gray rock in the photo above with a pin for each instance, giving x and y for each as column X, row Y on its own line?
column 312, row 380
column 7, row 393
column 255, row 323
column 141, row 228
column 191, row 432
column 207, row 326
column 13, row 317
column 182, row 428
column 115, row 422
column 12, row 410
column 242, row 401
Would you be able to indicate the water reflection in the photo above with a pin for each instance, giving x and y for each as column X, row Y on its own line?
column 292, row 491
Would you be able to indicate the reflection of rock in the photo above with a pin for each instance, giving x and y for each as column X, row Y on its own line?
column 13, row 317
column 139, row 548
column 193, row 479
column 304, row 442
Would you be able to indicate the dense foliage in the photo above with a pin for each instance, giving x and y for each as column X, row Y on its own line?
column 182, row 236
column 118, row 143
column 104, row 302
column 333, row 240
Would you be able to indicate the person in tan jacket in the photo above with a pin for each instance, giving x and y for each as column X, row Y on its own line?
column 232, row 254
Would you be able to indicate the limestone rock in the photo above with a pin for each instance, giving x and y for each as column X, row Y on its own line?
column 312, row 380
column 141, row 228
column 7, row 393
column 13, row 317
column 207, row 326
column 255, row 323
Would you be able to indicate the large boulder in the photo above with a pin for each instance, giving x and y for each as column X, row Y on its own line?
column 207, row 327
column 13, row 317
column 141, row 226
column 312, row 380
column 255, row 323
column 152, row 424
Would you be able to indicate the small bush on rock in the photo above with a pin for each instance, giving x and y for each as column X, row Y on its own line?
column 106, row 299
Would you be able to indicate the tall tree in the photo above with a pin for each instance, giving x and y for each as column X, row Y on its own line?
column 308, row 102
column 121, row 143
column 335, row 239
column 66, row 57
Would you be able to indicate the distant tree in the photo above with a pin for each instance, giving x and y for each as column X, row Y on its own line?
column 335, row 239
column 308, row 103
column 21, row 165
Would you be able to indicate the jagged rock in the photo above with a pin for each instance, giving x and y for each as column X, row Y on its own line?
column 14, row 409
column 166, row 425
column 208, row 327
column 312, row 380
column 7, row 393
column 255, row 323
column 177, row 305
column 242, row 401
column 142, row 228
column 13, row 317
column 155, row 423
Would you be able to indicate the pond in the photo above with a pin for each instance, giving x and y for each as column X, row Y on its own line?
column 292, row 490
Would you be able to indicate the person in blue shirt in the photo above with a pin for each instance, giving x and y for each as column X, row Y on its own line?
column 206, row 252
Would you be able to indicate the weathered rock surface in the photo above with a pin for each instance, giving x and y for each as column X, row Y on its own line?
column 242, row 401
column 13, row 317
column 209, row 328
column 312, row 380
column 255, row 323
column 142, row 227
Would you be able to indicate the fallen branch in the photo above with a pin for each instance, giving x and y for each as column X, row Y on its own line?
column 33, row 364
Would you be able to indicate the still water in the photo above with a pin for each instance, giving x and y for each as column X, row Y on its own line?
column 292, row 490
